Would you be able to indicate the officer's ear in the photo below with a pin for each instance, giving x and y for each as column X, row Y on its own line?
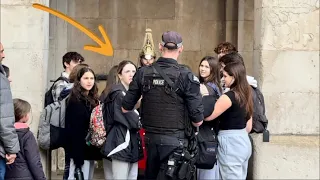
column 160, row 47
column 180, row 49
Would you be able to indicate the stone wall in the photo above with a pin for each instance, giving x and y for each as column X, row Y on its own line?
column 25, row 37
column 245, row 34
column 286, row 53
column 201, row 23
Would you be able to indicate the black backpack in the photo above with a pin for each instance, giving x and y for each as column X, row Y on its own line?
column 48, row 98
column 207, row 137
column 259, row 118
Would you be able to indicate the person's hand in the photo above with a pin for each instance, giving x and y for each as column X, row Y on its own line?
column 207, row 118
column 11, row 158
column 123, row 110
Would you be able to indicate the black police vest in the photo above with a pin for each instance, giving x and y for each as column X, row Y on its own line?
column 163, row 110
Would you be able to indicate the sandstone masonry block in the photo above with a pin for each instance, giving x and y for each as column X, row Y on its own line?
column 231, row 32
column 301, row 71
column 245, row 35
column 83, row 8
column 137, row 9
column 213, row 10
column 211, row 34
column 190, row 32
column 78, row 39
column 129, row 33
column 108, row 9
column 248, row 9
column 232, row 10
column 208, row 53
column 21, row 18
column 248, row 61
column 120, row 54
column 25, row 63
column 286, row 27
column 192, row 59
column 134, row 56
column 188, row 10
column 22, row 2
column 158, row 27
column 286, row 157
column 292, row 112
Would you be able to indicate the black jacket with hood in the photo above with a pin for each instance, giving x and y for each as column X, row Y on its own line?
column 123, row 139
column 77, row 120
column 27, row 165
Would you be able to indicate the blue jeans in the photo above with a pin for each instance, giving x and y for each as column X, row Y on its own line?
column 2, row 168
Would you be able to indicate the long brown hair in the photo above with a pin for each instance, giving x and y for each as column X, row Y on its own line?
column 240, row 84
column 79, row 93
column 21, row 108
column 74, row 72
column 111, row 80
column 214, row 76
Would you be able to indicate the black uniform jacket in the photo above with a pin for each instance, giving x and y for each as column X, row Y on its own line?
column 188, row 84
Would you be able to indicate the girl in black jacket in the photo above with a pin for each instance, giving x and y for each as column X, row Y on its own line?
column 122, row 149
column 209, row 76
column 83, row 98
column 27, row 165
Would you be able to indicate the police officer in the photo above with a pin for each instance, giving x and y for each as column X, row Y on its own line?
column 170, row 99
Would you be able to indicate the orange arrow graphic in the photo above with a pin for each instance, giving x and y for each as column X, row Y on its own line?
column 105, row 47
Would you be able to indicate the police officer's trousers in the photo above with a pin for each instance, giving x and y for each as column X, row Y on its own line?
column 159, row 148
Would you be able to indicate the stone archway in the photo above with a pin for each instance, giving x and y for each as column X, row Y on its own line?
column 203, row 26
column 270, row 35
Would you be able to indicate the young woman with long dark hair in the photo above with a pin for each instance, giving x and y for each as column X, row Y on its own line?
column 111, row 80
column 83, row 98
column 235, row 108
column 209, row 77
column 122, row 149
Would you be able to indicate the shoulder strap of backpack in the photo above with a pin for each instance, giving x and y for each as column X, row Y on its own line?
column 163, row 75
column 215, row 88
column 260, row 98
column 59, row 78
column 62, row 78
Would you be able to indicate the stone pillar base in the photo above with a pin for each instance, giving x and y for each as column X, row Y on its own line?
column 286, row 157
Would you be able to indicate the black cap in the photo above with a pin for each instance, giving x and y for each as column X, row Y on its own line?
column 171, row 40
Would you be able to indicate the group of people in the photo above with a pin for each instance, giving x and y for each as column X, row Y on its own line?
column 161, row 96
